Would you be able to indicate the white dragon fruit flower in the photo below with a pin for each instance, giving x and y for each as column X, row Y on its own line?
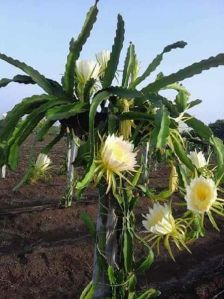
column 103, row 58
column 201, row 194
column 198, row 159
column 115, row 156
column 159, row 220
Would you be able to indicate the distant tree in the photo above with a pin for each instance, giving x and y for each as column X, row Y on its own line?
column 1, row 124
column 218, row 128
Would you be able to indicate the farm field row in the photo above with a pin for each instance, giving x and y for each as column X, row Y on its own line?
column 46, row 252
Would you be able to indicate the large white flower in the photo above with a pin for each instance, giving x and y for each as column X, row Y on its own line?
column 86, row 69
column 103, row 58
column 115, row 156
column 159, row 220
column 40, row 168
column 42, row 162
column 198, row 159
column 201, row 194
column 160, row 226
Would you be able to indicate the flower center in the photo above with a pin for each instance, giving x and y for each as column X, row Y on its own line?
column 118, row 153
column 203, row 192
column 157, row 219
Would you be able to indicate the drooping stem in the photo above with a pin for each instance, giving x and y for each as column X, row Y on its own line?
column 149, row 163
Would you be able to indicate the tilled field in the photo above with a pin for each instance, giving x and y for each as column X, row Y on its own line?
column 46, row 252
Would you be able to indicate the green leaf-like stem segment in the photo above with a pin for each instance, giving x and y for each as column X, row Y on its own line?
column 156, row 62
column 66, row 111
column 24, row 130
column 129, row 64
column 219, row 152
column 26, row 106
column 43, row 82
column 199, row 127
column 115, row 54
column 161, row 130
column 75, row 50
column 43, row 131
column 17, row 79
column 181, row 154
column 185, row 73
column 145, row 262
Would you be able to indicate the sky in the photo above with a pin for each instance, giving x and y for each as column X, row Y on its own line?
column 38, row 32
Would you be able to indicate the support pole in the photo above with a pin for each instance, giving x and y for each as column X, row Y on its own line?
column 71, row 155
column 106, row 248
column 3, row 172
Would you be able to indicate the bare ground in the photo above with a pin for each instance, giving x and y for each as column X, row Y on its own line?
column 46, row 252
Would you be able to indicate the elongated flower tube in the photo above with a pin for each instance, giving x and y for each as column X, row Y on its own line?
column 198, row 159
column 173, row 179
column 201, row 194
column 103, row 58
column 160, row 225
column 116, row 156
column 126, row 125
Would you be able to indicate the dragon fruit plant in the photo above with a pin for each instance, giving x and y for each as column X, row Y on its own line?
column 117, row 132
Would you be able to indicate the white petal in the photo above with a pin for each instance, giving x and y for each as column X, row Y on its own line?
column 159, row 220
